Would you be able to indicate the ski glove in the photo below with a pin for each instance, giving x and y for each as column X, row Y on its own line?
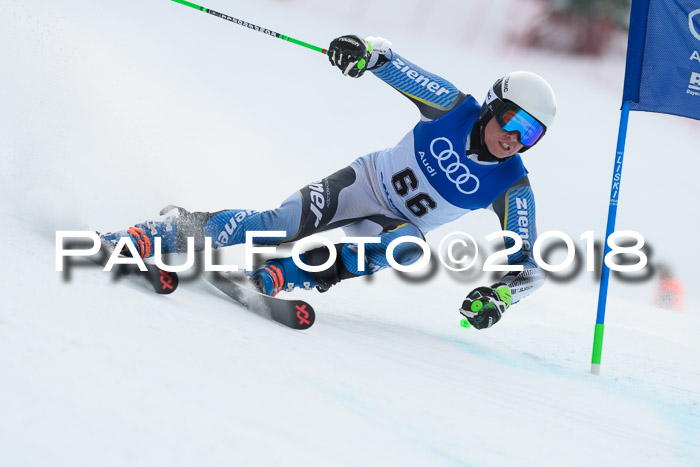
column 350, row 54
column 484, row 306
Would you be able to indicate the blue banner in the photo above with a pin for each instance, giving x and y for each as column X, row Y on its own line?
column 663, row 57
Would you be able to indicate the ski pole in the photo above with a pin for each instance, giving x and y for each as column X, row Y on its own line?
column 251, row 26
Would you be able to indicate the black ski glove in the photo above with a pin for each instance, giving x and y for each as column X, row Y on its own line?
column 484, row 306
column 350, row 54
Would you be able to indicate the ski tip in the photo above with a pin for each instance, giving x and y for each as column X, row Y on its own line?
column 164, row 282
column 303, row 316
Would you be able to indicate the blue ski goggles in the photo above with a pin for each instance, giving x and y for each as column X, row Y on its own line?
column 510, row 117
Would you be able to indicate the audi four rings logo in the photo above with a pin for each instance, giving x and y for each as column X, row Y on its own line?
column 448, row 160
column 693, row 31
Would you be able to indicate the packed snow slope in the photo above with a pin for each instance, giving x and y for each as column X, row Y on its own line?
column 111, row 110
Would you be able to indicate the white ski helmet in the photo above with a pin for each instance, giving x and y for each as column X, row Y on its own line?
column 521, row 90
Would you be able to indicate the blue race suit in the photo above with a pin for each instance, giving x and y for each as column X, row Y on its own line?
column 427, row 180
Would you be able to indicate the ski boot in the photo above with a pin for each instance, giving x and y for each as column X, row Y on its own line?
column 273, row 276
column 142, row 235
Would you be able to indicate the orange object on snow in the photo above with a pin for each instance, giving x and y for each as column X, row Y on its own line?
column 670, row 294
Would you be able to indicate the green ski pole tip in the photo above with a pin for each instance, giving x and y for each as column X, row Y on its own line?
column 465, row 323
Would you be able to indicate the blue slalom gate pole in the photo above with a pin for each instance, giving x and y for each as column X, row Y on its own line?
column 612, row 215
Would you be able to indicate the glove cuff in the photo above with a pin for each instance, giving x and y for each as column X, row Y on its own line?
column 380, row 52
column 503, row 292
column 378, row 44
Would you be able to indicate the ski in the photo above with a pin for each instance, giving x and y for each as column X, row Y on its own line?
column 295, row 314
column 163, row 282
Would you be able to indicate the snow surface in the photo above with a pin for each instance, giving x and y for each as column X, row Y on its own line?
column 111, row 110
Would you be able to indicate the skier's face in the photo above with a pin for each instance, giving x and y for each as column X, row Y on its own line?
column 499, row 142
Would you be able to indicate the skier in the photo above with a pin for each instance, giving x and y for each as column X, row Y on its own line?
column 460, row 156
